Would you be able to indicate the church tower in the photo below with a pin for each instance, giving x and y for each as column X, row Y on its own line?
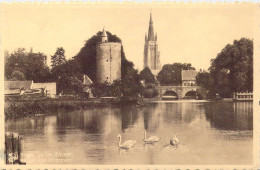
column 151, row 53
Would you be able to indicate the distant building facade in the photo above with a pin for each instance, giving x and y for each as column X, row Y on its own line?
column 151, row 52
column 49, row 89
column 108, row 60
column 29, row 88
column 188, row 77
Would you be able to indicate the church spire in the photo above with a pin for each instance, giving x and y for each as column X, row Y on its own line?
column 150, row 31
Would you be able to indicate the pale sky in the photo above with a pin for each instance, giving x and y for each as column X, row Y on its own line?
column 186, row 33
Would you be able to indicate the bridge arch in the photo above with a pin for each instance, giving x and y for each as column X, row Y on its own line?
column 170, row 94
column 192, row 94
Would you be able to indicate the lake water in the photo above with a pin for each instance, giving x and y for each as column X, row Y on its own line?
column 209, row 133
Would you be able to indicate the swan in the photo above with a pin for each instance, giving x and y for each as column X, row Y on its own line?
column 127, row 144
column 151, row 139
column 174, row 141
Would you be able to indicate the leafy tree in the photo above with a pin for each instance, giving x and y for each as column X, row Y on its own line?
column 232, row 69
column 107, row 90
column 17, row 75
column 171, row 73
column 131, row 85
column 147, row 75
column 116, row 88
column 150, row 91
column 32, row 65
column 58, row 58
column 76, row 85
column 204, row 79
column 101, row 90
column 37, row 70
column 68, row 76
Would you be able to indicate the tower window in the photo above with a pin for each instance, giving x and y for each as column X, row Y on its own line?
column 107, row 77
column 107, row 60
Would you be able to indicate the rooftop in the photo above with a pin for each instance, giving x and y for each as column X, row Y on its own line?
column 11, row 85
column 86, row 80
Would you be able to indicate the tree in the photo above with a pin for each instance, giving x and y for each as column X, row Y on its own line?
column 101, row 90
column 116, row 88
column 204, row 79
column 150, row 91
column 58, row 58
column 232, row 69
column 131, row 85
column 68, row 76
column 147, row 75
column 17, row 75
column 171, row 73
column 31, row 65
column 36, row 68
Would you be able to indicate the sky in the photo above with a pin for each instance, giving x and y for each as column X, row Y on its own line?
column 186, row 33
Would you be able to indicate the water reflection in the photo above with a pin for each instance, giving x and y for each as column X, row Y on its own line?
column 90, row 135
column 129, row 116
column 230, row 116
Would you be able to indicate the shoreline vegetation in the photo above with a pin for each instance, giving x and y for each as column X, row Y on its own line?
column 28, row 108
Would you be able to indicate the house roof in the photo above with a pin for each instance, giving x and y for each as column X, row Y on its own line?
column 188, row 74
column 11, row 85
column 86, row 80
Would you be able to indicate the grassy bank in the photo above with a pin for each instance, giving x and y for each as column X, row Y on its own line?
column 24, row 108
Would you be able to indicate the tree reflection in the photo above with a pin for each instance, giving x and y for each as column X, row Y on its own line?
column 129, row 116
column 152, row 116
column 230, row 116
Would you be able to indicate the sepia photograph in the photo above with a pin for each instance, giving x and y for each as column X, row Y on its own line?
column 129, row 84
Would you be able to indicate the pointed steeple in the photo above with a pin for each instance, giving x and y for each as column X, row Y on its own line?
column 150, row 31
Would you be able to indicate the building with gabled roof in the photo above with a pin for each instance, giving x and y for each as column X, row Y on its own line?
column 87, row 82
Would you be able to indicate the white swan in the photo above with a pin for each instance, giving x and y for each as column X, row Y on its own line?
column 151, row 139
column 174, row 141
column 127, row 144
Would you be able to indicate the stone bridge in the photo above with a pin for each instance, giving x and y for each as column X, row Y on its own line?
column 180, row 91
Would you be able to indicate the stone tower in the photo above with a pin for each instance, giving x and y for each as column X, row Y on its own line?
column 151, row 53
column 108, row 60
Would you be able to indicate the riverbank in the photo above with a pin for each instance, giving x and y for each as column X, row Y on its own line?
column 25, row 108
column 29, row 108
